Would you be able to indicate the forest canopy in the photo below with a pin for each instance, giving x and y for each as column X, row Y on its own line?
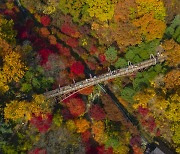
column 89, row 76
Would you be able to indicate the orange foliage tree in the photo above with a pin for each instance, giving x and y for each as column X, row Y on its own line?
column 150, row 27
column 172, row 79
column 82, row 125
column 134, row 21
column 149, row 18
column 98, row 130
column 120, row 28
column 172, row 52
column 125, row 33
column 76, row 106
column 44, row 31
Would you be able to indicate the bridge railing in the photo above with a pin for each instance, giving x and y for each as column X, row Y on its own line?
column 107, row 76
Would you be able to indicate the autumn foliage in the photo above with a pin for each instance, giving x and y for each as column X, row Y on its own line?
column 46, row 44
column 23, row 110
column 86, row 91
column 172, row 52
column 63, row 50
column 150, row 27
column 38, row 151
column 103, row 150
column 69, row 30
column 77, row 68
column 76, row 106
column 172, row 79
column 44, row 53
column 72, row 42
column 97, row 113
column 13, row 68
column 42, row 123
column 98, row 130
column 45, row 20
column 86, row 136
column 82, row 125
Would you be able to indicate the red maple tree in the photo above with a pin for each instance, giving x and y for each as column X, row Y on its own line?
column 42, row 123
column 143, row 111
column 103, row 150
column 44, row 53
column 45, row 20
column 38, row 151
column 77, row 68
column 86, row 136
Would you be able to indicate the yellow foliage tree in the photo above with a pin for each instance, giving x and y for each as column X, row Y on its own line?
column 70, row 124
column 173, row 114
column 148, row 6
column 176, row 136
column 150, row 27
column 120, row 28
column 98, row 131
column 101, row 9
column 142, row 98
column 13, row 68
column 166, row 111
column 173, row 110
column 23, row 110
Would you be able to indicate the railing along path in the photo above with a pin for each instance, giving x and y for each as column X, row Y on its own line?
column 104, row 77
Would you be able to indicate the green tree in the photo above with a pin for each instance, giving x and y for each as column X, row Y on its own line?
column 57, row 119
column 6, row 30
column 111, row 54
column 120, row 63
column 113, row 142
column 141, row 52
column 127, row 93
column 158, row 68
column 9, row 149
column 176, row 35
column 173, row 31
column 140, row 83
column 77, row 8
column 35, row 80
